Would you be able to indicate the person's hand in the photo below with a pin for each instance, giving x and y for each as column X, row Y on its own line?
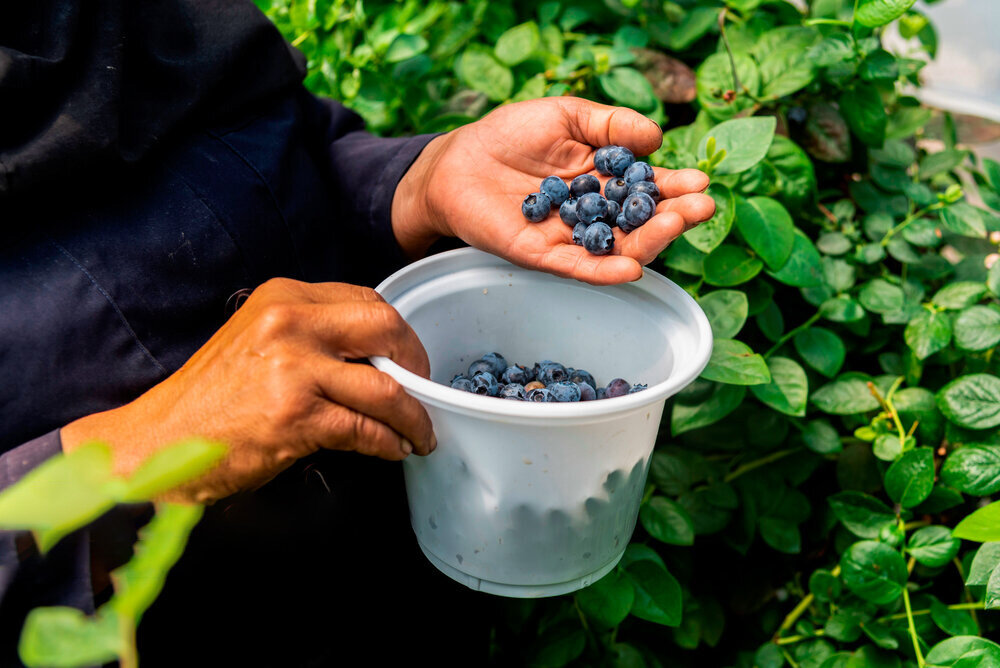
column 274, row 384
column 470, row 183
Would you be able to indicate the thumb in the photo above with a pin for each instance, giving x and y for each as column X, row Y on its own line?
column 600, row 124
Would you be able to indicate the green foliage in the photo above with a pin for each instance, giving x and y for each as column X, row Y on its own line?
column 809, row 495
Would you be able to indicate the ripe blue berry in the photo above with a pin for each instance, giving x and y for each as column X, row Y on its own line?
column 622, row 223
column 514, row 374
column 583, row 184
column 565, row 391
column 462, row 383
column 536, row 206
column 611, row 215
column 578, row 231
column 497, row 362
column 556, row 189
column 513, row 391
column 618, row 387
column 601, row 393
column 485, row 383
column 616, row 189
column 598, row 239
column 540, row 395
column 587, row 392
column 637, row 171
column 619, row 159
column 637, row 209
column 479, row 366
column 638, row 387
column 581, row 376
column 590, row 207
column 567, row 211
column 601, row 160
column 550, row 372
column 647, row 187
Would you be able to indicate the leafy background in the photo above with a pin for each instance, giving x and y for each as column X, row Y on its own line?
column 822, row 495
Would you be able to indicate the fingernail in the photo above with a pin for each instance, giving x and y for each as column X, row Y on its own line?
column 405, row 446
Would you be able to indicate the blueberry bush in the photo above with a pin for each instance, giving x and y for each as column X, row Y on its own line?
column 822, row 496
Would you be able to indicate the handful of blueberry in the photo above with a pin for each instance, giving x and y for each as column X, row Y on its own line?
column 546, row 381
column 629, row 200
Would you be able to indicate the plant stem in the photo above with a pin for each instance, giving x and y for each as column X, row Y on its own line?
column 971, row 607
column 729, row 50
column 784, row 339
column 803, row 605
column 913, row 629
column 968, row 594
column 827, row 22
column 906, row 221
column 757, row 463
column 790, row 640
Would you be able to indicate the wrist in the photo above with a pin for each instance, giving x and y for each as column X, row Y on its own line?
column 118, row 429
column 416, row 222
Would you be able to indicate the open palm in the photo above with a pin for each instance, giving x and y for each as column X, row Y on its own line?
column 480, row 174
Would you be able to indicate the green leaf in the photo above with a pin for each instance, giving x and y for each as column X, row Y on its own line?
column 838, row 274
column 532, row 89
column 862, row 514
column 60, row 637
column 879, row 65
column 788, row 389
column 833, row 243
column 887, row 447
column 730, row 265
column 745, row 141
column 682, row 256
column 675, row 470
column 964, row 652
column 695, row 24
column 796, row 187
column 608, row 600
column 170, row 467
column 964, row 219
column 821, row 349
column 977, row 328
column 971, row 401
column 911, row 478
column 657, row 593
column 953, row 622
column 875, row 13
column 863, row 110
column 803, row 268
column 820, row 437
column 735, row 363
column 781, row 534
column 993, row 279
column 880, row 296
column 723, row 401
column 518, row 43
column 481, row 71
column 982, row 525
column 928, row 333
column 667, row 521
column 941, row 162
column 767, row 227
column 959, row 295
column 405, row 47
column 628, row 87
column 873, row 571
column 842, row 309
column 708, row 235
column 559, row 644
column 715, row 76
column 933, row 546
column 973, row 469
column 845, row 397
column 785, row 71
column 726, row 310
column 985, row 563
column 824, row 585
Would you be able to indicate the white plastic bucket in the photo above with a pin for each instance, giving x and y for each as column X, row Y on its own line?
column 537, row 499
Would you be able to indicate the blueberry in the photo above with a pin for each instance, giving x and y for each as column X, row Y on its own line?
column 601, row 160
column 578, row 231
column 540, row 395
column 587, row 392
column 567, row 211
column 616, row 189
column 551, row 372
column 598, row 239
column 583, row 184
column 485, row 383
column 534, row 385
column 617, row 388
column 647, row 187
column 556, row 189
column 565, row 391
column 637, row 171
column 581, row 376
column 498, row 363
column 590, row 207
column 638, row 387
column 637, row 209
column 479, row 366
column 611, row 215
column 622, row 223
column 513, row 391
column 795, row 115
column 462, row 383
column 536, row 206
column 602, row 393
column 619, row 159
column 514, row 374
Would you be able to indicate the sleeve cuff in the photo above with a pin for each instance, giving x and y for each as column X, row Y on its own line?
column 16, row 463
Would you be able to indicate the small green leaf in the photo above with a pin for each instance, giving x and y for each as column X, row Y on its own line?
column 982, row 525
column 973, row 469
column 959, row 295
column 745, row 141
column 803, row 268
column 481, row 71
column 888, row 447
column 862, row 514
column 560, row 644
column 941, row 162
column 964, row 219
column 723, row 401
column 880, row 296
column 628, row 87
column 911, row 478
column 845, row 397
column 708, row 235
column 833, row 243
column 820, row 437
column 928, row 333
column 824, row 585
column 977, row 328
column 933, row 546
column 657, row 593
column 874, row 571
column 735, row 363
column 971, row 401
column 730, row 265
column 695, row 24
column 842, row 309
column 838, row 274
column 715, row 76
column 767, row 227
column 788, row 389
column 964, row 652
column 608, row 600
column 875, row 13
column 726, row 310
column 821, row 349
column 518, row 43
column 667, row 521
column 405, row 47
column 60, row 637
column 785, row 71
column 170, row 467
column 865, row 114
column 953, row 622
column 781, row 534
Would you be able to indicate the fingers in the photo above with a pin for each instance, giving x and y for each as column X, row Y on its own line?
column 694, row 208
column 346, row 429
column 599, row 125
column 571, row 261
column 375, row 395
column 677, row 182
